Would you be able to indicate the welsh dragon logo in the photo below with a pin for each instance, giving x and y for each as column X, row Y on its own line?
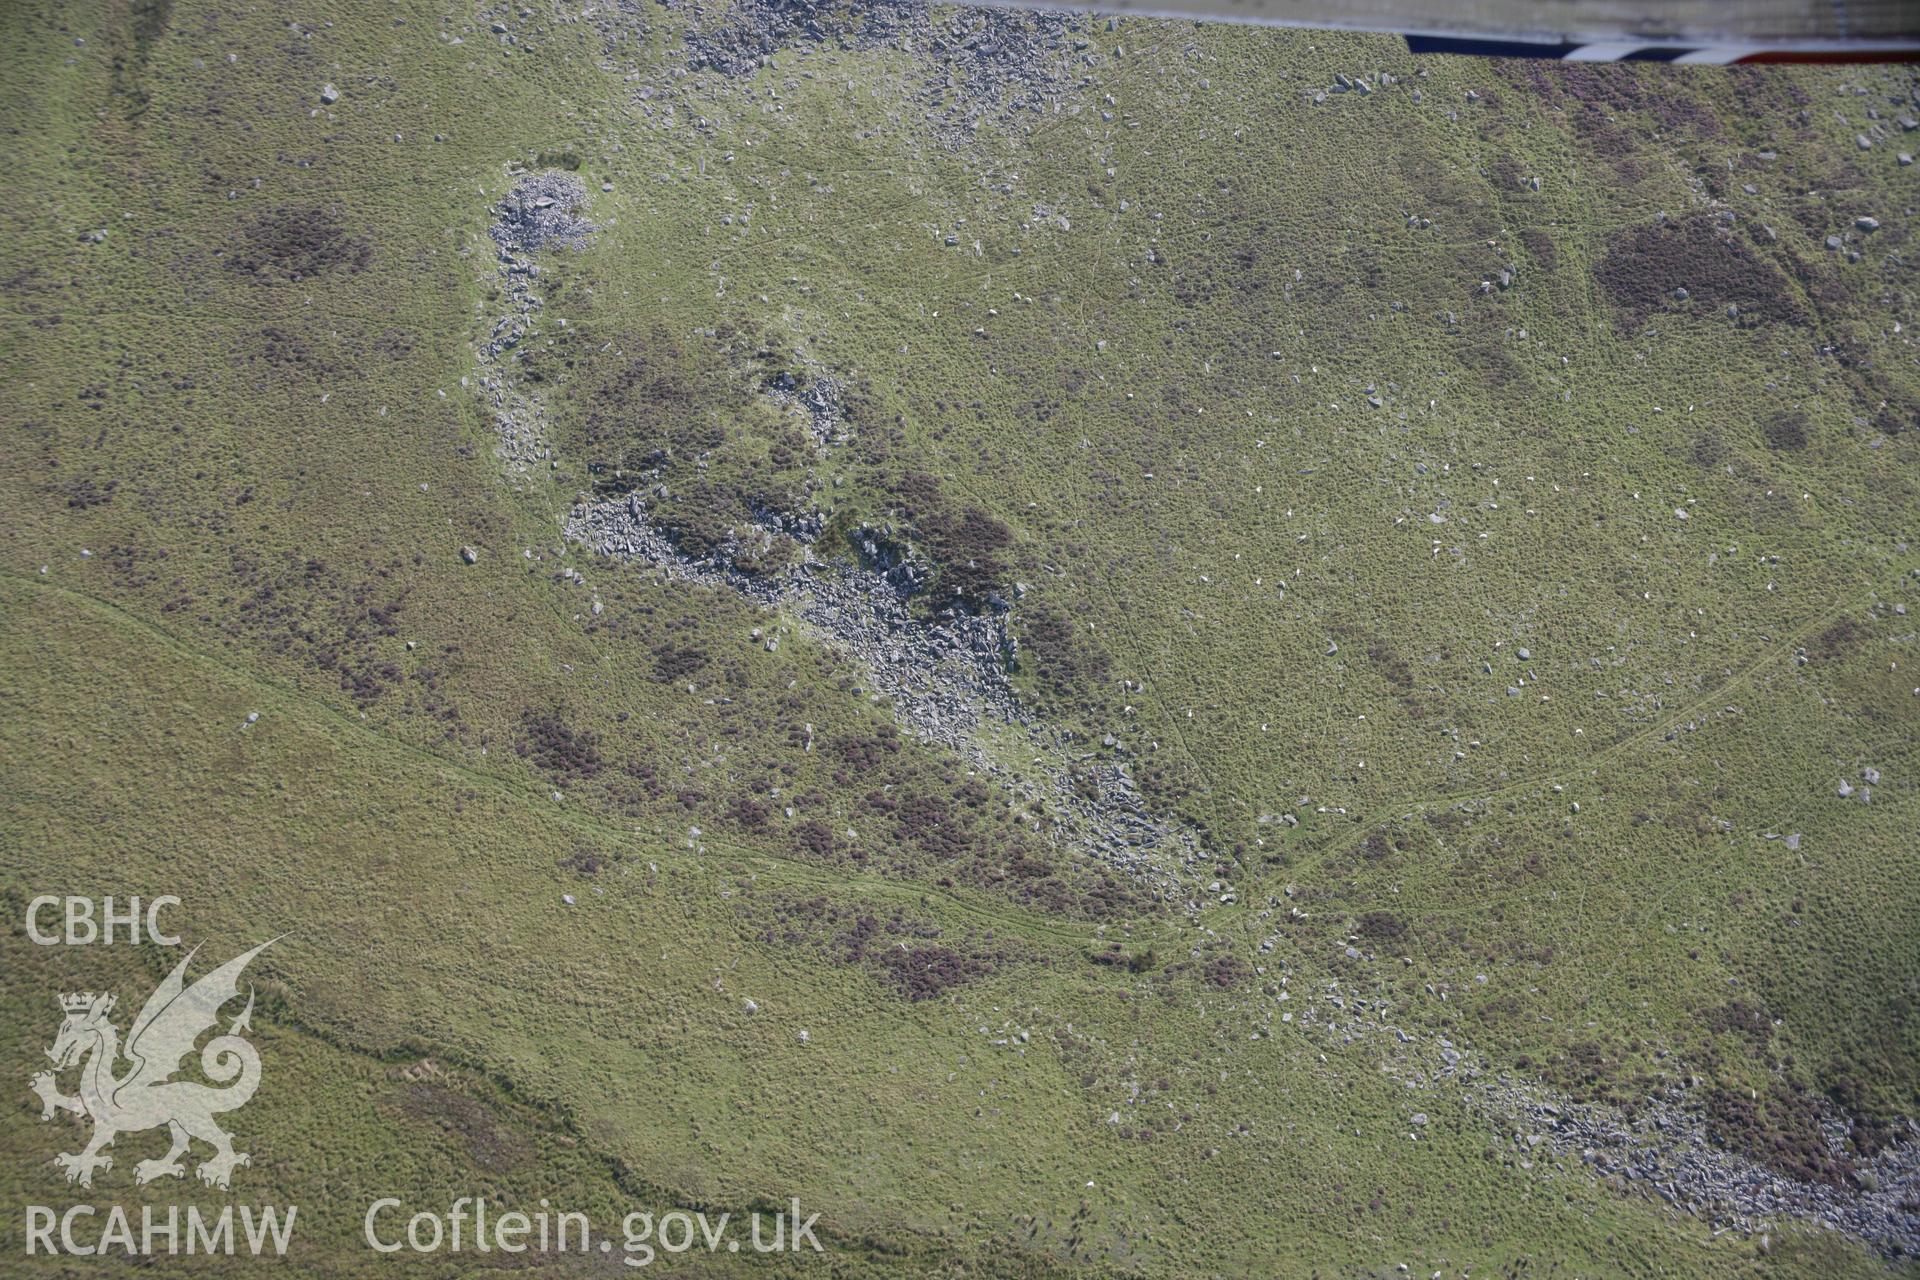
column 146, row 1096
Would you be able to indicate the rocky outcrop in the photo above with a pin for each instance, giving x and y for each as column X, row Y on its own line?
column 944, row 677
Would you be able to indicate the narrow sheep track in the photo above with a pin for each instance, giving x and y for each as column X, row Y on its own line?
column 945, row 681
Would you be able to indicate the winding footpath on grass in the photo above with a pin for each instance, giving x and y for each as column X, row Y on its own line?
column 945, row 681
column 1663, row 1152
column 1699, row 708
column 351, row 734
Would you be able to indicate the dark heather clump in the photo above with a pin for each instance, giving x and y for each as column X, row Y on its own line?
column 557, row 748
column 1779, row 1128
column 1646, row 267
column 285, row 244
column 907, row 954
column 1788, row 431
column 967, row 546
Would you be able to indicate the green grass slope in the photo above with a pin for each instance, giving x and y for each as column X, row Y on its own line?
column 1298, row 417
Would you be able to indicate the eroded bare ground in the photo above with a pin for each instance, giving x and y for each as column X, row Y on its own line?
column 1663, row 1151
column 974, row 63
column 945, row 680
column 1666, row 1152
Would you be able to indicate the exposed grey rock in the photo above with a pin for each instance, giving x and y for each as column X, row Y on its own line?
column 542, row 209
column 943, row 677
column 966, row 65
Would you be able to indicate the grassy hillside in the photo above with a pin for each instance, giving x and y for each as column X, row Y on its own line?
column 1469, row 502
